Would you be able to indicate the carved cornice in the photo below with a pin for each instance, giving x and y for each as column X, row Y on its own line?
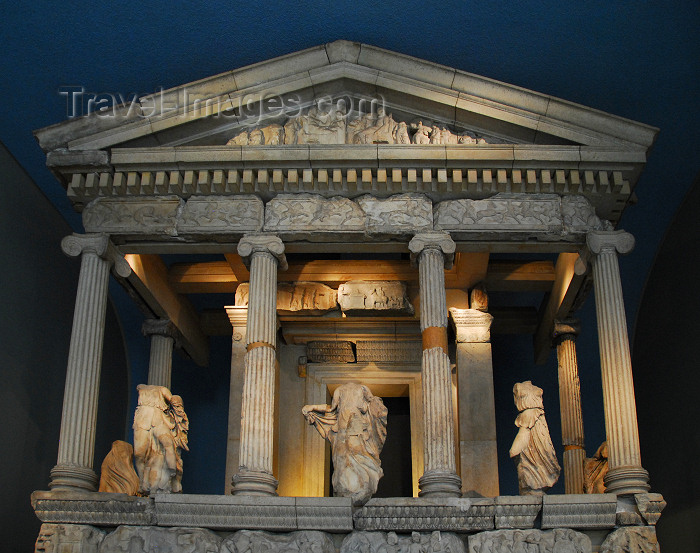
column 98, row 244
column 264, row 243
column 433, row 240
column 619, row 241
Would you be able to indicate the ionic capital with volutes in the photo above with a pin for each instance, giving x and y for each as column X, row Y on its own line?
column 600, row 241
column 99, row 245
column 433, row 240
column 262, row 243
column 161, row 327
column 565, row 329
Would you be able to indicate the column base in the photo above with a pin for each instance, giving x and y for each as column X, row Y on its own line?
column 627, row 480
column 438, row 483
column 252, row 482
column 73, row 477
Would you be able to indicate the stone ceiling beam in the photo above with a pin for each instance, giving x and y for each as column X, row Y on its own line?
column 561, row 299
column 149, row 279
column 469, row 269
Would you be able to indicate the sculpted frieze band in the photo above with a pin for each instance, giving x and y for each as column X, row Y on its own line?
column 306, row 216
column 330, row 123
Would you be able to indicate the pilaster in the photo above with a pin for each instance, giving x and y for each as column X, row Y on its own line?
column 564, row 335
column 263, row 253
column 433, row 251
column 477, row 411
column 76, row 447
column 626, row 475
column 239, row 318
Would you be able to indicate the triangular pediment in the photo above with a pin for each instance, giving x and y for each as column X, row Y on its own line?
column 362, row 78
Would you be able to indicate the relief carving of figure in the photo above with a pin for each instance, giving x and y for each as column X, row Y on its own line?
column 595, row 469
column 532, row 449
column 117, row 474
column 160, row 435
column 422, row 134
column 380, row 131
column 355, row 426
column 323, row 124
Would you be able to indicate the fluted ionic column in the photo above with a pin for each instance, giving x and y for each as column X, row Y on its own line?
column 625, row 474
column 264, row 253
column 433, row 251
column 76, row 447
column 163, row 338
column 564, row 335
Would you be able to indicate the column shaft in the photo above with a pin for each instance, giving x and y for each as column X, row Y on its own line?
column 256, row 451
column 440, row 472
column 626, row 474
column 238, row 317
column 77, row 439
column 161, row 361
column 571, row 416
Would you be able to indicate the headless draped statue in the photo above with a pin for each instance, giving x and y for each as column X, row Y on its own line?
column 355, row 425
column 532, row 449
column 160, row 435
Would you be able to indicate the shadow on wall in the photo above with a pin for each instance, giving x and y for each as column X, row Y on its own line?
column 667, row 379
column 37, row 287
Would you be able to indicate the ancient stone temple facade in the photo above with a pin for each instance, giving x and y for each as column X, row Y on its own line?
column 357, row 206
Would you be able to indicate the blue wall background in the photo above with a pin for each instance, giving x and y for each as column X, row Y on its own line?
column 634, row 59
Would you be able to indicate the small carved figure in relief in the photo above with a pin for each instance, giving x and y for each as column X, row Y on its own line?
column 117, row 474
column 532, row 449
column 401, row 135
column 595, row 469
column 160, row 434
column 478, row 298
column 422, row 134
column 355, row 426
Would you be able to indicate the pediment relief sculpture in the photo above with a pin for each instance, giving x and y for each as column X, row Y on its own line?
column 330, row 123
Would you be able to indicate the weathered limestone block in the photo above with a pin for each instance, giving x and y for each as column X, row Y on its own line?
column 118, row 474
column 405, row 514
column 312, row 298
column 133, row 216
column 381, row 542
column 367, row 296
column 507, row 541
column 304, row 541
column 384, row 351
column 100, row 509
column 221, row 215
column 303, row 216
column 68, row 538
column 519, row 214
column 330, row 352
column 631, row 539
column 332, row 514
column 355, row 425
column 518, row 217
column 147, row 539
column 400, row 214
column 518, row 511
column 650, row 506
column 588, row 511
column 226, row 512
column 579, row 215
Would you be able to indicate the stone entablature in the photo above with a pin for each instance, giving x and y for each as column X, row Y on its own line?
column 507, row 217
column 439, row 172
